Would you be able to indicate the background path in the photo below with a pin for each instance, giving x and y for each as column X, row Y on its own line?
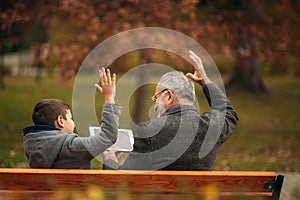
column 291, row 187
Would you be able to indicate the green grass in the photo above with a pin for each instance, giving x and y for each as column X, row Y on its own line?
column 267, row 136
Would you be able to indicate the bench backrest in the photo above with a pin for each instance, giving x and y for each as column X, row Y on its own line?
column 265, row 184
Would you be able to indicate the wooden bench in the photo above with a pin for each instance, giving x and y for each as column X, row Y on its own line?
column 137, row 184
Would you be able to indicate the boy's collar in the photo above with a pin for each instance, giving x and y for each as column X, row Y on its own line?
column 38, row 128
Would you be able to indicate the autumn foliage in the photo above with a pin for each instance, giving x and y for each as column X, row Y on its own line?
column 244, row 31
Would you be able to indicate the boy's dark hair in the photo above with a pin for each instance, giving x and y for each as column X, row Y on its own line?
column 46, row 111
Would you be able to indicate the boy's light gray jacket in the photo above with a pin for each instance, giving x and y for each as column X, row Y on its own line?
column 48, row 147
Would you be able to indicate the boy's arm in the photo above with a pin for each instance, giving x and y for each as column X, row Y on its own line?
column 109, row 120
column 110, row 113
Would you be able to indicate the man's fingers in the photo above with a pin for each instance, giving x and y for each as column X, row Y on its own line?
column 193, row 53
column 189, row 75
column 119, row 154
column 196, row 63
column 193, row 56
column 194, row 77
column 195, row 59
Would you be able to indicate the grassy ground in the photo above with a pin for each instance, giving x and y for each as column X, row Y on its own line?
column 267, row 137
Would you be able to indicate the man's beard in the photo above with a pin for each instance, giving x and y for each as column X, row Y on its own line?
column 159, row 107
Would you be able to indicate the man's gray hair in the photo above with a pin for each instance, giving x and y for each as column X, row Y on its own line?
column 178, row 83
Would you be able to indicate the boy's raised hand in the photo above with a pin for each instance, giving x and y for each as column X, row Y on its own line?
column 108, row 85
column 199, row 75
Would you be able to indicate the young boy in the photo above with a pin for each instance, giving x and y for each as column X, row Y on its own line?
column 51, row 143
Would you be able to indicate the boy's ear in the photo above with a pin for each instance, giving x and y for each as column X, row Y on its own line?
column 59, row 122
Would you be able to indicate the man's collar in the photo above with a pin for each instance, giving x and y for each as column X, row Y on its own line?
column 178, row 108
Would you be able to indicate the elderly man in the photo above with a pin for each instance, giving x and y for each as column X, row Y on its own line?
column 180, row 138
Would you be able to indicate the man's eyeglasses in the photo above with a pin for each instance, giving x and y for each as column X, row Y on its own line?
column 154, row 97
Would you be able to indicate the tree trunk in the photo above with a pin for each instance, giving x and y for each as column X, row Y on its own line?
column 255, row 75
column 2, row 70
column 140, row 112
column 247, row 72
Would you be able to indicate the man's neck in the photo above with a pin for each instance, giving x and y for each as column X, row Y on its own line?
column 177, row 104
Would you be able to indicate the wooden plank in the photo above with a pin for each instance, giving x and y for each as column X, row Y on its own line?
column 135, row 181
column 8, row 194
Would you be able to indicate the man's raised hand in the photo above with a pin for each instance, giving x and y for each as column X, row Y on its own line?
column 199, row 75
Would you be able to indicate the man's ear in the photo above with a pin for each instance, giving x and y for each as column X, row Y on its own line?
column 171, row 98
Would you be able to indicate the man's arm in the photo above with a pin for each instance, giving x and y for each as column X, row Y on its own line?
column 221, row 109
column 215, row 97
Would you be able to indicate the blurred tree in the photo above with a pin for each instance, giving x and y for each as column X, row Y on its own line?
column 117, row 16
column 75, row 27
column 256, row 31
column 21, row 24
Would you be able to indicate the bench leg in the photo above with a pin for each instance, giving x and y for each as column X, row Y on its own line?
column 275, row 186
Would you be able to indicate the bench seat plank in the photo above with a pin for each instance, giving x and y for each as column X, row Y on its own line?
column 135, row 181
column 140, row 184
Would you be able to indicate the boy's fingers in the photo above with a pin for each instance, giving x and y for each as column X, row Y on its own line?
column 114, row 77
column 100, row 73
column 108, row 76
column 98, row 87
column 104, row 77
